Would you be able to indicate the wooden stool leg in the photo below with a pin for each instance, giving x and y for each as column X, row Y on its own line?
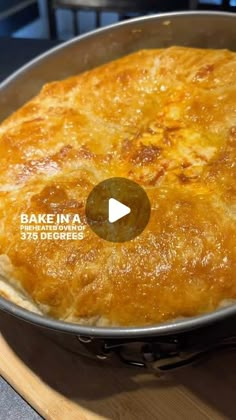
column 226, row 4
column 75, row 22
column 52, row 23
column 98, row 19
column 123, row 17
column 193, row 4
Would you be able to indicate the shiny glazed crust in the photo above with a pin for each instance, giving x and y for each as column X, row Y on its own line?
column 163, row 118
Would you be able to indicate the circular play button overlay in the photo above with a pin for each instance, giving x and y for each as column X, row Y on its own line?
column 118, row 210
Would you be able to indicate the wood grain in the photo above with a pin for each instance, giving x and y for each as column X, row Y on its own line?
column 62, row 385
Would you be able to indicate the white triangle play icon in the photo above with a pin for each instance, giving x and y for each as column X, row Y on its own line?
column 116, row 210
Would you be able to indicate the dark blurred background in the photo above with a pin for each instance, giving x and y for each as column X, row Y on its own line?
column 62, row 19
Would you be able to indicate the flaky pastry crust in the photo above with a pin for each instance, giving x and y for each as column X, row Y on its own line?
column 164, row 118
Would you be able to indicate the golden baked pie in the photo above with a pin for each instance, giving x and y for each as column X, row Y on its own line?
column 165, row 119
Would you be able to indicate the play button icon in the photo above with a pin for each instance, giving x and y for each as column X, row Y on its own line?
column 117, row 209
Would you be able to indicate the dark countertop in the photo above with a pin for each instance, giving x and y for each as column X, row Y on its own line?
column 12, row 406
column 14, row 53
